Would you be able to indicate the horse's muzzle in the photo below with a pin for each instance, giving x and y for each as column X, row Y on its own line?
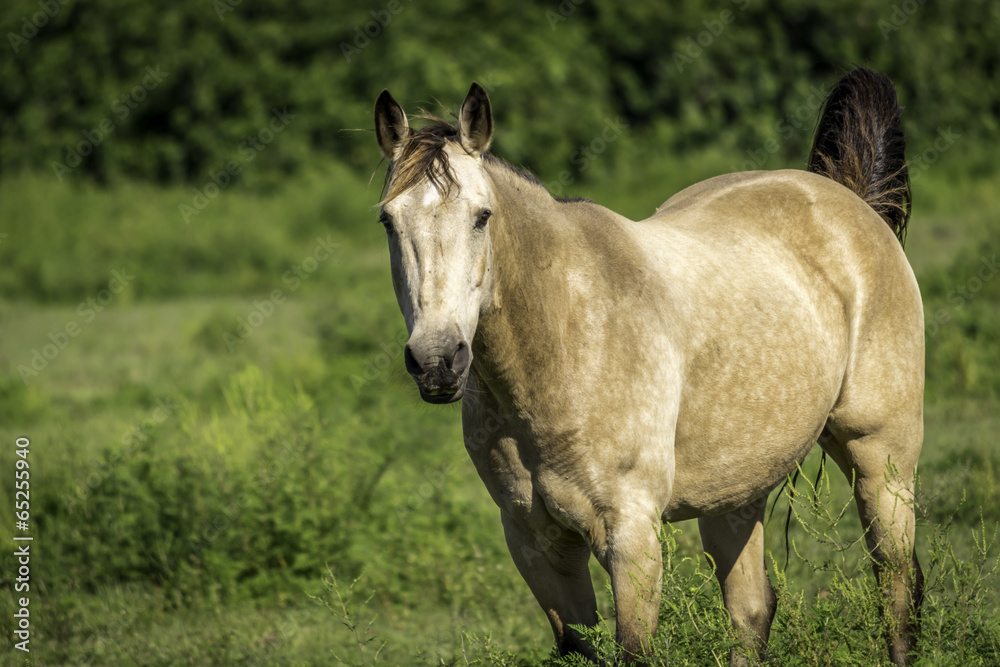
column 440, row 371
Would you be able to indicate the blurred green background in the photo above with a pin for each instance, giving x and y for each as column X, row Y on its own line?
column 199, row 337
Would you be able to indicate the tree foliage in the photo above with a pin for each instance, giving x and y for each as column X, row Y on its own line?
column 78, row 98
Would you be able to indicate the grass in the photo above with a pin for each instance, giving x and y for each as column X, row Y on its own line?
column 193, row 498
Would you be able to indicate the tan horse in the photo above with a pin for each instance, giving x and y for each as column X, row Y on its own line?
column 619, row 373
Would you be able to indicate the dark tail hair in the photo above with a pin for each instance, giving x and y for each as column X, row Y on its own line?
column 860, row 145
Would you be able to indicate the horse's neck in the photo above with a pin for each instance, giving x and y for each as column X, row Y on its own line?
column 518, row 340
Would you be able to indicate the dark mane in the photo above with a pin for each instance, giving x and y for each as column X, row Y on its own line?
column 424, row 156
column 518, row 171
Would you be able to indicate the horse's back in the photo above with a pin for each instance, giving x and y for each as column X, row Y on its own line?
column 785, row 225
column 801, row 207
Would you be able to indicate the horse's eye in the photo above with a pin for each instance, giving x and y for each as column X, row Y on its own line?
column 386, row 221
column 483, row 218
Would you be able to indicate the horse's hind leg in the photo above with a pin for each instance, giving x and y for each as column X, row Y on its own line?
column 735, row 541
column 882, row 464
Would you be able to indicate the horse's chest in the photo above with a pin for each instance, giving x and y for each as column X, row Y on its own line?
column 535, row 492
column 507, row 477
column 563, row 498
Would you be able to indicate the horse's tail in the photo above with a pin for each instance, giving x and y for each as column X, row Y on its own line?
column 860, row 145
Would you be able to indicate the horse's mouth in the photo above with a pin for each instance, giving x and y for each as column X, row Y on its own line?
column 443, row 396
column 437, row 392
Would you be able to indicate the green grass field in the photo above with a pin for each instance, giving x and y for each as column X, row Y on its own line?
column 224, row 425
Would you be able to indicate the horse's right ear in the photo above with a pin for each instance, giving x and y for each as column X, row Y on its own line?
column 391, row 126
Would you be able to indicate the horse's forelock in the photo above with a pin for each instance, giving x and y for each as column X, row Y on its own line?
column 423, row 156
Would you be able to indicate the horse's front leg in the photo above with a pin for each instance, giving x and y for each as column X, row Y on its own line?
column 555, row 566
column 631, row 555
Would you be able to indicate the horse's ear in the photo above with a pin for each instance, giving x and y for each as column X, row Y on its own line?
column 391, row 126
column 475, row 121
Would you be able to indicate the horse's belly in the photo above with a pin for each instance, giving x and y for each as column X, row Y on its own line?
column 733, row 447
column 717, row 477
column 750, row 412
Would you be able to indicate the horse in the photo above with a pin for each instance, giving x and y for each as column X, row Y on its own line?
column 616, row 374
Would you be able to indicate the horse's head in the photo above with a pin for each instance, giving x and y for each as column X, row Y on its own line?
column 436, row 213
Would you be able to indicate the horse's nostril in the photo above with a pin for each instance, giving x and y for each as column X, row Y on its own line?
column 411, row 363
column 420, row 362
column 460, row 361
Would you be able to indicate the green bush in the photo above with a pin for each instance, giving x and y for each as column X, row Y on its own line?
column 742, row 74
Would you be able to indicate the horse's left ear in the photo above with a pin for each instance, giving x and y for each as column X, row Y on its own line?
column 475, row 121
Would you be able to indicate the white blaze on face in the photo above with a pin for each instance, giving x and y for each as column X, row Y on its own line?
column 441, row 254
column 432, row 197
